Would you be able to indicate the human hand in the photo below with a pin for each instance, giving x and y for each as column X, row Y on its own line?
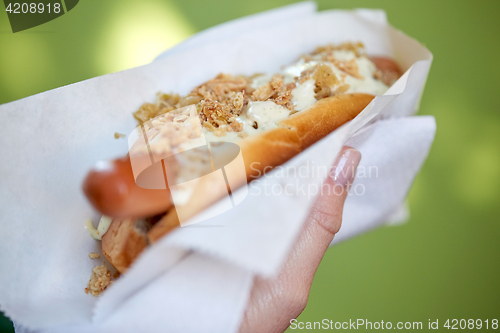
column 274, row 302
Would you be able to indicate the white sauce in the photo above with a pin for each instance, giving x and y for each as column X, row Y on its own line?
column 303, row 95
column 228, row 137
column 344, row 55
column 102, row 228
column 369, row 84
column 260, row 80
column 268, row 114
column 293, row 71
column 265, row 115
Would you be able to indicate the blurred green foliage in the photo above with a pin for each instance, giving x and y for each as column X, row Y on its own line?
column 444, row 263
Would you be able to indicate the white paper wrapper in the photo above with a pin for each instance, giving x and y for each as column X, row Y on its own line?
column 198, row 278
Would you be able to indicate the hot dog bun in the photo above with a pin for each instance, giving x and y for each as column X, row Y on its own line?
column 124, row 241
column 271, row 148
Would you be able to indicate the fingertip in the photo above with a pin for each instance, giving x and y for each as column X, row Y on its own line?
column 345, row 166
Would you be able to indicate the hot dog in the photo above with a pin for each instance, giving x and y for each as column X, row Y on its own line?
column 271, row 118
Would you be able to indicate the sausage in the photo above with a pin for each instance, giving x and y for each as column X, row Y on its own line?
column 389, row 70
column 111, row 189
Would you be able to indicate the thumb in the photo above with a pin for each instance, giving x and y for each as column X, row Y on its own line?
column 325, row 218
column 327, row 210
column 275, row 301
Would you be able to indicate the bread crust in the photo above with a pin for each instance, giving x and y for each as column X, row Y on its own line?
column 168, row 223
column 325, row 115
column 124, row 241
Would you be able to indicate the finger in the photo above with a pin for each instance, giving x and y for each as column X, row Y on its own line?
column 325, row 218
column 274, row 302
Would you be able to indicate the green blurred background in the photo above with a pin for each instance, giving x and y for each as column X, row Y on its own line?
column 444, row 263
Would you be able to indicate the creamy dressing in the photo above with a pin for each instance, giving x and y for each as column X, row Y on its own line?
column 369, row 85
column 303, row 95
column 256, row 117
column 293, row 71
column 366, row 69
column 260, row 80
column 102, row 228
column 344, row 55
column 266, row 115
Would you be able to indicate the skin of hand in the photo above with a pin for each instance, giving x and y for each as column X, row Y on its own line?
column 275, row 301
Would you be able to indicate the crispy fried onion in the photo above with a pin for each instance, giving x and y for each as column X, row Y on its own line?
column 324, row 79
column 276, row 91
column 326, row 54
column 220, row 100
column 357, row 47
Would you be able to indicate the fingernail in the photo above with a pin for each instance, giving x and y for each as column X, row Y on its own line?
column 344, row 168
